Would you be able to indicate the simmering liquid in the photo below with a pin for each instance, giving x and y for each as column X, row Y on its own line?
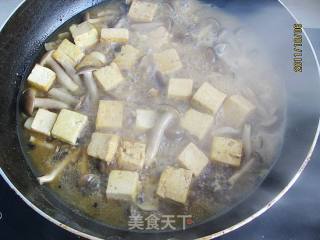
column 213, row 48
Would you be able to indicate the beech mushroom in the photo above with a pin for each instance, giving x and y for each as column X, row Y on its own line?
column 93, row 59
column 90, row 83
column 89, row 64
column 29, row 102
column 246, row 139
column 62, row 76
column 62, row 95
column 70, row 70
column 168, row 115
column 248, row 166
column 72, row 157
column 90, row 182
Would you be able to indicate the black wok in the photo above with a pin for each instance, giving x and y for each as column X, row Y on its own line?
column 21, row 43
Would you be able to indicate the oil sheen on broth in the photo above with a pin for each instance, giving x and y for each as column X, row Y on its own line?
column 173, row 99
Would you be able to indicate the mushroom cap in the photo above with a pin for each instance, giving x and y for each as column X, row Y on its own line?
column 87, row 69
column 27, row 101
column 169, row 109
column 45, row 57
column 94, row 59
column 99, row 56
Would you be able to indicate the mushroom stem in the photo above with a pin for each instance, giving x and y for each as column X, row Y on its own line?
column 62, row 76
column 235, row 177
column 157, row 133
column 69, row 69
column 49, row 103
column 90, row 83
column 91, row 86
column 59, row 168
column 87, row 16
column 64, row 96
column 246, row 139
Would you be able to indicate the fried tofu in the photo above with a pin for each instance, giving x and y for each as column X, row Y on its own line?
column 103, row 146
column 70, row 50
column 41, row 78
column 69, row 126
column 43, row 122
column 174, row 184
column 128, row 57
column 85, row 35
column 131, row 155
column 236, row 110
column 167, row 61
column 110, row 115
column 208, row 98
column 141, row 11
column 193, row 159
column 115, row 35
column 196, row 123
column 227, row 150
column 109, row 77
column 123, row 185
column 145, row 119
column 180, row 88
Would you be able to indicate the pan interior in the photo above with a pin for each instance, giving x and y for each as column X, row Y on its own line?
column 215, row 48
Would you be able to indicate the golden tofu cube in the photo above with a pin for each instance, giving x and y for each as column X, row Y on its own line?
column 110, row 115
column 123, row 185
column 43, row 122
column 193, row 159
column 71, row 50
column 103, row 146
column 167, row 61
column 128, row 57
column 208, row 98
column 174, row 184
column 226, row 150
column 109, row 77
column 62, row 58
column 180, row 88
column 69, row 126
column 85, row 34
column 236, row 110
column 145, row 119
column 131, row 155
column 196, row 123
column 115, row 35
column 41, row 78
column 141, row 11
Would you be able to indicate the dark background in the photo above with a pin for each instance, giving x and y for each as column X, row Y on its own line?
column 295, row 217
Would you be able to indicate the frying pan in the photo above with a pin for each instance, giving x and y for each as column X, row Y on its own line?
column 21, row 43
